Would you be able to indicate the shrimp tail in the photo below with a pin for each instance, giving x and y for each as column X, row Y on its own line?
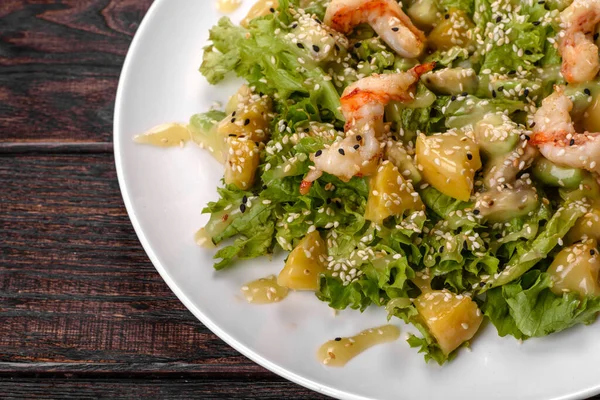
column 422, row 69
column 305, row 187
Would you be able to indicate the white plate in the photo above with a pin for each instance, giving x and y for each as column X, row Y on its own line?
column 165, row 190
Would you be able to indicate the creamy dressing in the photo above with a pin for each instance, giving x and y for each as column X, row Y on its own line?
column 203, row 240
column 264, row 291
column 337, row 352
column 228, row 6
column 165, row 135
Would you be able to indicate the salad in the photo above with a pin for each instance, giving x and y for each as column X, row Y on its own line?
column 432, row 157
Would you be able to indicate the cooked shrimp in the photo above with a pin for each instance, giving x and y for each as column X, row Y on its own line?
column 557, row 140
column 385, row 17
column 577, row 47
column 363, row 106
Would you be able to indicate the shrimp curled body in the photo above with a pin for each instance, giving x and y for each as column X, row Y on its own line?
column 363, row 105
column 385, row 17
column 555, row 135
column 576, row 46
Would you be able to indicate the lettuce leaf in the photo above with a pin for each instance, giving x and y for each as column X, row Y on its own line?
column 528, row 308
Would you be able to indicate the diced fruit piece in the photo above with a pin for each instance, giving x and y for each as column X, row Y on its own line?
column 304, row 264
column 451, row 81
column 554, row 175
column 400, row 158
column 451, row 319
column 456, row 30
column 243, row 157
column 424, row 13
column 591, row 117
column 448, row 162
column 500, row 206
column 496, row 134
column 203, row 130
column 586, row 227
column 260, row 9
column 251, row 117
column 575, row 269
column 390, row 194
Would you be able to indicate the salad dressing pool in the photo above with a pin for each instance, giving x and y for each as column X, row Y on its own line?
column 337, row 352
column 264, row 291
column 228, row 6
column 165, row 135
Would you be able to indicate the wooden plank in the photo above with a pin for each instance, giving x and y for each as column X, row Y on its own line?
column 59, row 67
column 191, row 388
column 76, row 286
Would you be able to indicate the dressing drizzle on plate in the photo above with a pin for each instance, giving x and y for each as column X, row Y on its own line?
column 337, row 352
column 264, row 291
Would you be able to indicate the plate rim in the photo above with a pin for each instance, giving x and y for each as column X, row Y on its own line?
column 163, row 272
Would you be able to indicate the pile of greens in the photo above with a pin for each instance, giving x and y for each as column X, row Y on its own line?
column 306, row 93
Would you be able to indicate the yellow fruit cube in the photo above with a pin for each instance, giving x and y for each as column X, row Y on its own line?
column 448, row 162
column 576, row 268
column 390, row 194
column 305, row 264
column 243, row 158
column 452, row 319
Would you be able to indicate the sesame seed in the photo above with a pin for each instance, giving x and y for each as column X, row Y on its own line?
column 395, row 29
column 341, row 151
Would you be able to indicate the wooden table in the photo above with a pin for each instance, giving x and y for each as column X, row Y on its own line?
column 83, row 313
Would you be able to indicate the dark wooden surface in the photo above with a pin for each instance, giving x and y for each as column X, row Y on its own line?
column 83, row 313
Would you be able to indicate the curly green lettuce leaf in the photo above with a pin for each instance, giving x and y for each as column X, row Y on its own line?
column 528, row 308
column 528, row 254
column 268, row 60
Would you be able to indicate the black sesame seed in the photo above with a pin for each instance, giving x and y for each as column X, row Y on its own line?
column 536, row 23
column 300, row 45
column 245, row 199
column 441, row 250
column 526, row 92
column 481, row 284
column 233, row 113
column 316, row 48
column 341, row 151
column 476, row 212
column 356, row 146
column 501, row 88
column 272, row 9
column 512, row 72
column 592, row 252
column 453, row 98
column 532, row 124
column 469, row 156
column 357, row 45
column 247, row 121
column 498, row 236
column 464, row 94
column 232, row 135
column 498, row 19
column 571, row 142
column 264, row 187
column 318, row 20
column 447, row 16
column 395, row 29
column 587, row 91
column 337, row 339
column 494, row 94
column 318, row 153
column 541, row 2
column 358, row 138
column 294, row 25
column 491, row 203
column 243, row 208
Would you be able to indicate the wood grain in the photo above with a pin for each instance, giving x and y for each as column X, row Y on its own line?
column 59, row 66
